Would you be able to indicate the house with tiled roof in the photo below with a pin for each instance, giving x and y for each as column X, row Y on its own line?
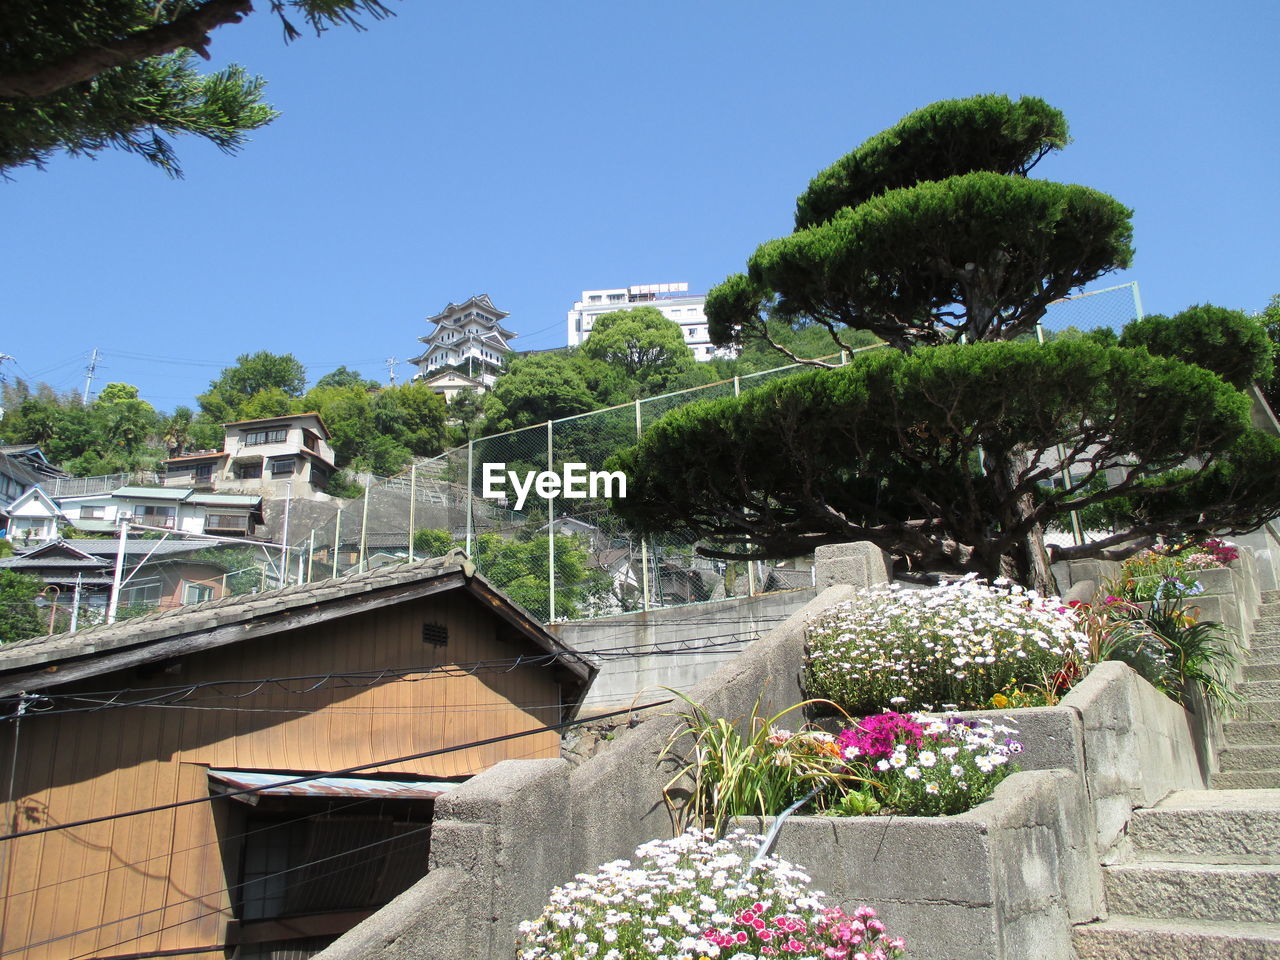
column 266, row 457
column 255, row 775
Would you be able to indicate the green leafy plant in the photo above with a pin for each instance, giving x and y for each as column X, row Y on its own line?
column 746, row 767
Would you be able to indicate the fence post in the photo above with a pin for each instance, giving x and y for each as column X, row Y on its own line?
column 1137, row 301
column 413, row 500
column 551, row 533
column 471, row 452
column 311, row 554
column 644, row 544
column 364, row 521
column 1077, row 528
column 337, row 539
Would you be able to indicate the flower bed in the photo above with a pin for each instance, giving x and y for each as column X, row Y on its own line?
column 923, row 766
column 696, row 897
column 956, row 645
column 1169, row 572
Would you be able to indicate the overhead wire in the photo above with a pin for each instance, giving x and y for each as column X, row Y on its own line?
column 414, row 674
column 359, row 768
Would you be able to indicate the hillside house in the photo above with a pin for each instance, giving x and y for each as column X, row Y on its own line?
column 261, row 457
column 32, row 518
column 182, row 510
column 369, row 681
column 161, row 575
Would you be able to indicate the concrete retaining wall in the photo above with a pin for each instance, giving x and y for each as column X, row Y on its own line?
column 722, row 622
column 1004, row 881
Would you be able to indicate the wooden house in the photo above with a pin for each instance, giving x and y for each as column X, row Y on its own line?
column 370, row 681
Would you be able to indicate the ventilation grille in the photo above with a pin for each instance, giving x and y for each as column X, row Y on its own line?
column 436, row 634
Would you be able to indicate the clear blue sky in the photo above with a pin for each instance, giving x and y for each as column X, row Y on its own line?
column 529, row 151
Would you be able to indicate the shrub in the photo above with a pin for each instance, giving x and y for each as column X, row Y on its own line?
column 957, row 644
column 697, row 897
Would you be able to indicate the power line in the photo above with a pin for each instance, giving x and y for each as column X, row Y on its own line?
column 488, row 741
column 183, row 693
column 215, row 893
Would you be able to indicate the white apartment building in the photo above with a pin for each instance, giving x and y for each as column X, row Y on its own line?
column 673, row 299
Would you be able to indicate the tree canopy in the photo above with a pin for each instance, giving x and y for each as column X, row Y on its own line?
column 932, row 233
column 911, row 452
column 646, row 346
column 951, row 451
column 89, row 75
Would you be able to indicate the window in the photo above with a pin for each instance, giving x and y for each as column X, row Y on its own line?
column 203, row 471
column 227, row 522
column 616, row 297
column 93, row 513
column 276, row 435
column 155, row 516
column 249, row 471
column 310, row 440
column 141, row 591
column 281, row 465
column 594, row 298
column 196, row 592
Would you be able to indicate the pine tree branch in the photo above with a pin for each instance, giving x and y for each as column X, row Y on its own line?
column 191, row 30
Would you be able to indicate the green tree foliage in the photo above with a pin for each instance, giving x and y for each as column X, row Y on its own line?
column 234, row 394
column 111, row 435
column 1270, row 319
column 19, row 615
column 912, row 453
column 648, row 348
column 535, row 389
column 432, row 543
column 89, row 75
column 519, row 569
column 342, row 377
column 1231, row 343
column 932, row 233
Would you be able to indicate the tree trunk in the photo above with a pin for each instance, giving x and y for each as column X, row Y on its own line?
column 1029, row 558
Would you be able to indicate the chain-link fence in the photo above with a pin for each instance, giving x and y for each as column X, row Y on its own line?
column 567, row 558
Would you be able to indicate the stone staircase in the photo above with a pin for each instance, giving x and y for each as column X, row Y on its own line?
column 1203, row 875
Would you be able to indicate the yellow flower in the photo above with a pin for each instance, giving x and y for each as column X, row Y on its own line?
column 1000, row 701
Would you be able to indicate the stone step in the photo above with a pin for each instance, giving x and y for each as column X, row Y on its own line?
column 1247, row 780
column 1247, row 892
column 1224, row 826
column 1259, row 710
column 1138, row 938
column 1271, row 596
column 1263, row 652
column 1260, row 671
column 1249, row 758
column 1259, row 689
column 1252, row 732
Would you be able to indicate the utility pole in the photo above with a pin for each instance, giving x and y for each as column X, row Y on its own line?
column 88, row 374
column 3, row 358
column 391, row 370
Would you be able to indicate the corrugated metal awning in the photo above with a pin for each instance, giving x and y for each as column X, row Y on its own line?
column 223, row 781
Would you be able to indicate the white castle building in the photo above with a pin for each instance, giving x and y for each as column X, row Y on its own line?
column 468, row 339
column 673, row 299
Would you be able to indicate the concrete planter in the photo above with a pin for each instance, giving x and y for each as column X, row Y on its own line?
column 1004, row 881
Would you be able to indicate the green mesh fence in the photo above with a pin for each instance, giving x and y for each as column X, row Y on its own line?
column 564, row 558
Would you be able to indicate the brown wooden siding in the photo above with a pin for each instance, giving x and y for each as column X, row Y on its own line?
column 165, row 871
